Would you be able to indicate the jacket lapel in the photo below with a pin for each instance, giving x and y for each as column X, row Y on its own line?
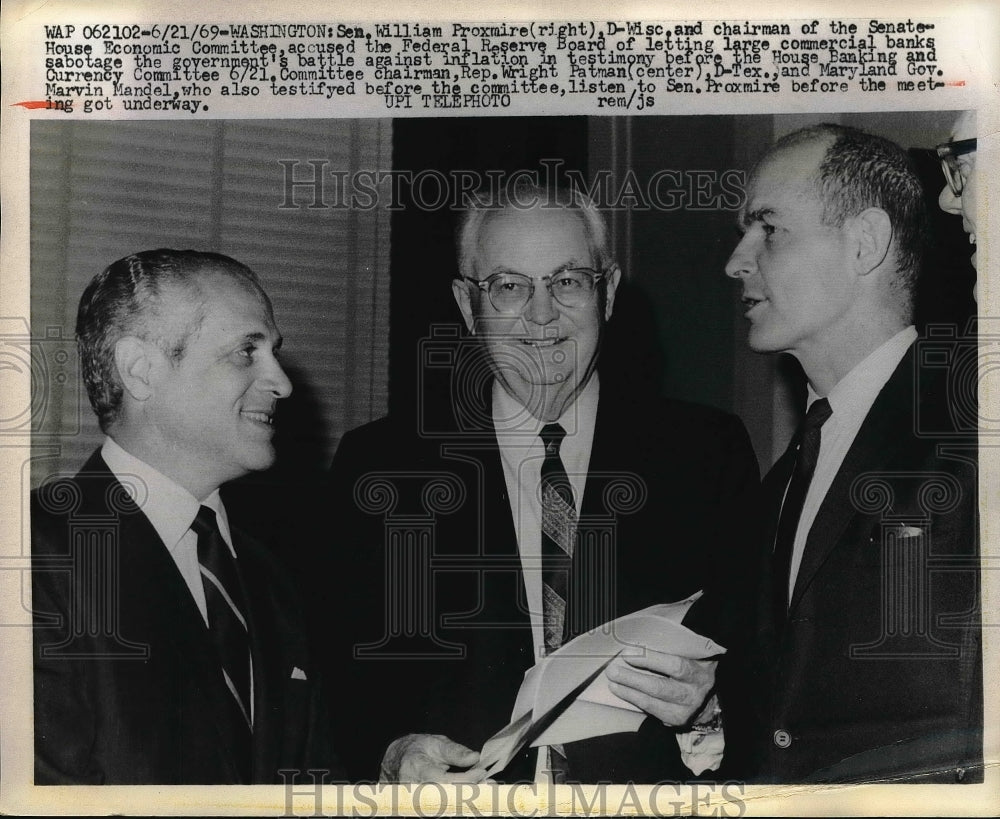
column 773, row 492
column 474, row 451
column 152, row 591
column 598, row 578
column 875, row 445
column 474, row 442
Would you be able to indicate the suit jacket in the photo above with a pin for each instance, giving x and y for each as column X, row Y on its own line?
column 128, row 689
column 435, row 625
column 876, row 672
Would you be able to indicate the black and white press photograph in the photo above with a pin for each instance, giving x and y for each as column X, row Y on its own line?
column 484, row 450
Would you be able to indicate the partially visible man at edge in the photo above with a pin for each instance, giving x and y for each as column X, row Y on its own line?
column 867, row 654
column 671, row 483
column 960, row 193
column 173, row 651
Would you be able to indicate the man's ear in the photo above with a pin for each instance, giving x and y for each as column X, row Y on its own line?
column 134, row 360
column 460, row 290
column 611, row 280
column 872, row 230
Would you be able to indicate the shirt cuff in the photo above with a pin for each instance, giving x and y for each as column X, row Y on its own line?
column 703, row 746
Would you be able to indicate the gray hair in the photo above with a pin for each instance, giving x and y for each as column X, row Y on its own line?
column 523, row 194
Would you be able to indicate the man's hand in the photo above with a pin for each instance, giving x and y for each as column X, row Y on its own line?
column 426, row 758
column 674, row 693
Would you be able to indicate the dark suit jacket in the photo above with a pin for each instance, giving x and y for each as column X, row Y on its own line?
column 127, row 687
column 876, row 673
column 435, row 624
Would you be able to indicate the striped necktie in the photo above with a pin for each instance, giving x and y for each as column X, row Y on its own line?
column 558, row 538
column 227, row 621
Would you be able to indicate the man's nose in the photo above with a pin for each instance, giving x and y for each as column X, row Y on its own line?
column 948, row 202
column 275, row 381
column 541, row 307
column 742, row 261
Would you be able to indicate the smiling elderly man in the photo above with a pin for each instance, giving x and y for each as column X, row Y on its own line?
column 578, row 499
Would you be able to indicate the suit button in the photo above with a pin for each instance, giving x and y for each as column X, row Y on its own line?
column 782, row 738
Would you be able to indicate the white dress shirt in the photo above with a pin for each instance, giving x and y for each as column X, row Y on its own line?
column 850, row 400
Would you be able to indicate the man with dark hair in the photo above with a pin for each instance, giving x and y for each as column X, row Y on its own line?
column 867, row 648
column 169, row 648
column 549, row 501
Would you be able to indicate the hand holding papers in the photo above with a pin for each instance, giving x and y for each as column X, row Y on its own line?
column 567, row 697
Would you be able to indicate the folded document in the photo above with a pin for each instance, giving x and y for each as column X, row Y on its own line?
column 565, row 696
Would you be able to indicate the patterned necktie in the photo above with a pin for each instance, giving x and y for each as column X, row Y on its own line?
column 807, row 440
column 558, row 538
column 226, row 609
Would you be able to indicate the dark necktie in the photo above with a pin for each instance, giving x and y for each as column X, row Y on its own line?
column 558, row 538
column 227, row 621
column 807, row 441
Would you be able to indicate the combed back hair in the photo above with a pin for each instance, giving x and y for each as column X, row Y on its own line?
column 126, row 299
column 523, row 194
column 861, row 170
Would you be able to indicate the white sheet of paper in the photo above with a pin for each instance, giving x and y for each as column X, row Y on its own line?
column 594, row 711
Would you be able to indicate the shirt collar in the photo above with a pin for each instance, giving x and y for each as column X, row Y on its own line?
column 855, row 393
column 171, row 509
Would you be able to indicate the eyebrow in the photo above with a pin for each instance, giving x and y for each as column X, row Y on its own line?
column 758, row 214
column 258, row 337
column 748, row 217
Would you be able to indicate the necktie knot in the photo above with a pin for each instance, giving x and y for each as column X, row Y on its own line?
column 205, row 522
column 809, row 434
column 552, row 437
column 819, row 413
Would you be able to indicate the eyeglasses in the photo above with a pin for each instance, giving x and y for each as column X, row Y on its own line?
column 511, row 292
column 948, row 153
